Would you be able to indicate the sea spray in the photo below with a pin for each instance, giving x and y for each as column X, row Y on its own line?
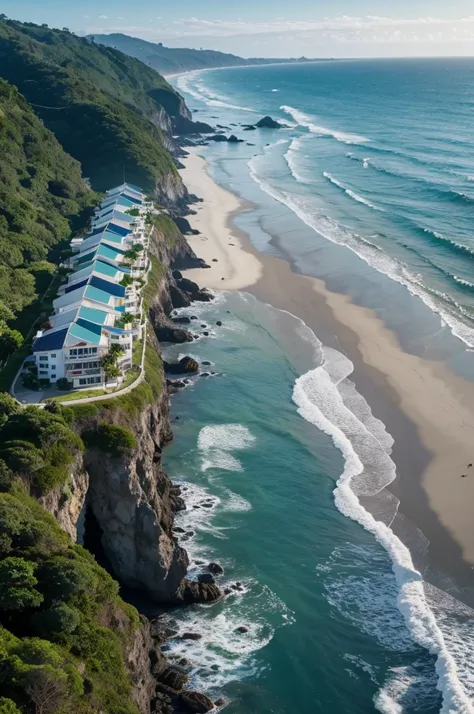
column 320, row 403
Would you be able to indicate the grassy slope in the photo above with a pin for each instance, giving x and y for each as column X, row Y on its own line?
column 95, row 100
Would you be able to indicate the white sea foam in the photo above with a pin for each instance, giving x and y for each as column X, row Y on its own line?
column 307, row 121
column 193, row 83
column 320, row 402
column 349, row 192
column 461, row 281
column 291, row 158
column 371, row 254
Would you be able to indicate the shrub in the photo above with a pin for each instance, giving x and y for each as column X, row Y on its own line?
column 6, row 477
column 17, row 585
column 30, row 381
column 58, row 620
column 112, row 439
column 61, row 578
column 64, row 384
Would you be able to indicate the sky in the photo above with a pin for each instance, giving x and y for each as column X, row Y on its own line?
column 271, row 28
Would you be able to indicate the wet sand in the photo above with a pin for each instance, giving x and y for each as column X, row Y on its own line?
column 428, row 410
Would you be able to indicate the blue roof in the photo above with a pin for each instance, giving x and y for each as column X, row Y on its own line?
column 93, row 315
column 117, row 330
column 76, row 286
column 107, row 286
column 53, row 341
column 111, row 226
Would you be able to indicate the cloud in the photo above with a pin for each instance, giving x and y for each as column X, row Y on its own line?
column 103, row 17
column 342, row 28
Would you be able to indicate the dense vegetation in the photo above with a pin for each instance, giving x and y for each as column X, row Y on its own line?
column 64, row 627
column 41, row 194
column 97, row 101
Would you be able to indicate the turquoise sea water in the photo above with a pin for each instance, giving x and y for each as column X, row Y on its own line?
column 279, row 445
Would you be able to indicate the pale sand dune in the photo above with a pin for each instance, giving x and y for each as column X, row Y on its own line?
column 238, row 268
column 439, row 404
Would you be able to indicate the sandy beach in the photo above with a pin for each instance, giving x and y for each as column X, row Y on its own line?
column 235, row 268
column 428, row 410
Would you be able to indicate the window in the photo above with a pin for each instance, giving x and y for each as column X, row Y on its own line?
column 53, row 376
column 53, row 356
column 43, row 371
column 72, row 353
column 44, row 358
column 82, row 381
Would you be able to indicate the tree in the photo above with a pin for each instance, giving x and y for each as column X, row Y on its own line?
column 17, row 585
column 61, row 578
column 116, row 350
column 10, row 342
column 8, row 407
column 126, row 281
column 47, row 689
column 6, row 477
column 6, row 705
column 131, row 255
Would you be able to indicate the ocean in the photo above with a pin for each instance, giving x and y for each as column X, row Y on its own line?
column 370, row 186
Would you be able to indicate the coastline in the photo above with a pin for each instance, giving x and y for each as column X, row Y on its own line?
column 424, row 407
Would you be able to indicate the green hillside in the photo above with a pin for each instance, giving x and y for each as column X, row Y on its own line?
column 95, row 100
column 168, row 60
column 41, row 194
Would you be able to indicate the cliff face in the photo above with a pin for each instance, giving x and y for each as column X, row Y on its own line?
column 133, row 502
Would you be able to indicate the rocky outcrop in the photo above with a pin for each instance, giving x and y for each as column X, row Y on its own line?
column 186, row 365
column 268, row 123
column 181, row 117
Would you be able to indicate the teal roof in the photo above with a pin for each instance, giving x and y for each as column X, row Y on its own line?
column 93, row 315
column 106, row 251
column 105, row 268
column 85, row 331
column 97, row 295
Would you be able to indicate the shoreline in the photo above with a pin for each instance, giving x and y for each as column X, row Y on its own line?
column 423, row 405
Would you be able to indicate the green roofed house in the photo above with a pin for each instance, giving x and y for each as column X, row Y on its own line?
column 88, row 312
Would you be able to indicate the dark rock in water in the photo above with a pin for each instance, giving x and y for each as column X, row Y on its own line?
column 214, row 260
column 242, row 629
column 215, row 568
column 174, row 335
column 249, row 127
column 186, row 365
column 197, row 592
column 218, row 137
column 227, row 591
column 206, row 578
column 219, row 703
column 194, row 291
column 181, row 320
column 205, row 333
column 199, row 562
column 268, row 123
column 207, row 505
column 159, row 632
column 174, row 678
column 196, row 702
column 191, row 636
column 205, row 374
column 202, row 325
column 183, row 662
column 193, row 317
column 219, row 323
column 176, row 273
column 178, row 529
column 206, row 363
column 233, row 140
column 178, row 298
